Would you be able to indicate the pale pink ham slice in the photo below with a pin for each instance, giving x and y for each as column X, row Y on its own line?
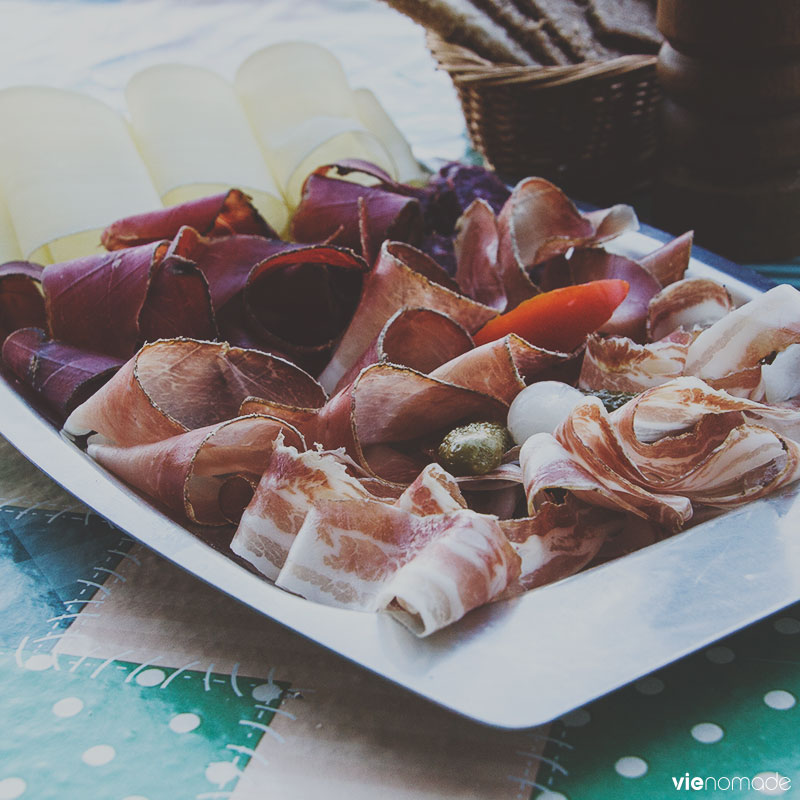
column 398, row 280
column 172, row 386
column 209, row 473
column 428, row 571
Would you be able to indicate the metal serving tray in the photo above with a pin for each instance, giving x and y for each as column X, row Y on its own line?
column 521, row 662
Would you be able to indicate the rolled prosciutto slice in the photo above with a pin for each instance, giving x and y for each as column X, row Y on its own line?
column 427, row 571
column 686, row 304
column 114, row 302
column 538, row 222
column 389, row 419
column 402, row 277
column 173, row 386
column 65, row 376
column 215, row 216
column 21, row 300
column 208, row 474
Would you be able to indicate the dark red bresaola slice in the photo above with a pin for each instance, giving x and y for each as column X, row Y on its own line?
column 65, row 376
column 21, row 300
column 113, row 302
column 215, row 216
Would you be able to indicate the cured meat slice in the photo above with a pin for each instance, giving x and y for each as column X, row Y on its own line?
column 63, row 375
column 214, row 216
column 739, row 341
column 501, row 368
column 476, row 247
column 685, row 304
column 669, row 262
column 114, row 302
column 354, row 215
column 559, row 539
column 547, row 465
column 538, row 222
column 389, row 419
column 434, row 491
column 397, row 281
column 427, row 571
column 300, row 300
column 413, row 337
column 173, row 386
column 618, row 364
column 209, row 473
column 21, row 301
column 293, row 483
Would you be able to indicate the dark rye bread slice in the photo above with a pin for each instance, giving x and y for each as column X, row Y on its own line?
column 529, row 28
column 568, row 25
column 627, row 24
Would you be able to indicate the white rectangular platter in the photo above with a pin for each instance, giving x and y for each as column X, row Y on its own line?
column 521, row 662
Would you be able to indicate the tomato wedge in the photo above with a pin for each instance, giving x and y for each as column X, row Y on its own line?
column 559, row 319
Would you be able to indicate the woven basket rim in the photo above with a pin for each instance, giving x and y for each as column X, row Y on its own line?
column 468, row 68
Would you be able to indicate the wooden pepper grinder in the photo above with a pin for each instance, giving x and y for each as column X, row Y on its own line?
column 730, row 168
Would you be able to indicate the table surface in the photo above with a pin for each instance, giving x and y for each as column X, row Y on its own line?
column 124, row 677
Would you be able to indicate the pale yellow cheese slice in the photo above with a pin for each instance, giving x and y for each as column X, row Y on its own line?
column 304, row 113
column 375, row 118
column 9, row 246
column 68, row 167
column 196, row 140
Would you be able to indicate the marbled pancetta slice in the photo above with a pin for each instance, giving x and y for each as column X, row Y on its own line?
column 538, row 222
column 207, row 474
column 173, row 386
column 618, row 364
column 215, row 216
column 399, row 280
column 113, row 302
column 21, row 300
column 294, row 482
column 685, row 304
column 413, row 337
column 428, row 571
column 729, row 353
column 63, row 375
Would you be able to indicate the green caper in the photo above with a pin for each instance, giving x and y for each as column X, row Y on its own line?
column 611, row 400
column 474, row 449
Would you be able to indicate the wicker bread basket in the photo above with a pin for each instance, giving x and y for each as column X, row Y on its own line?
column 591, row 128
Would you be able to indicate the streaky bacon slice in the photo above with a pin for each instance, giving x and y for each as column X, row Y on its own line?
column 172, row 386
column 113, row 302
column 413, row 337
column 729, row 354
column 399, row 279
column 355, row 215
column 559, row 539
column 501, row 368
column 21, row 300
column 539, row 222
column 215, row 216
column 63, row 375
column 294, row 482
column 685, row 304
column 476, row 247
column 669, row 262
column 427, row 571
column 618, row 364
column 207, row 474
